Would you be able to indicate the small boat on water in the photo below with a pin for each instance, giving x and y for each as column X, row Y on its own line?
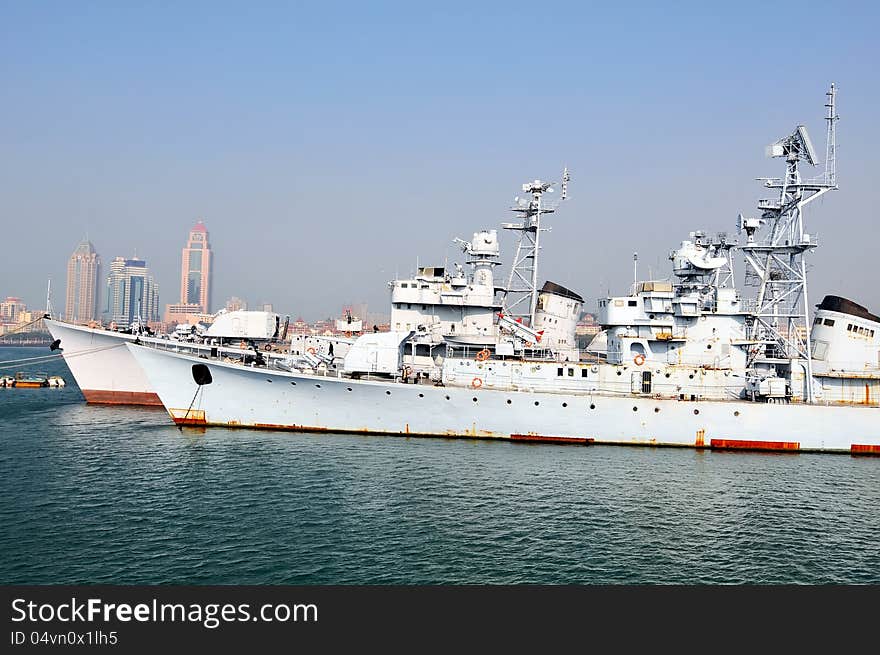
column 23, row 380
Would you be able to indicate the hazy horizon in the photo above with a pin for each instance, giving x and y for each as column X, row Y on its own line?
column 329, row 149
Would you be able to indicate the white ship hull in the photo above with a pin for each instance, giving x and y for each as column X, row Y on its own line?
column 102, row 366
column 240, row 396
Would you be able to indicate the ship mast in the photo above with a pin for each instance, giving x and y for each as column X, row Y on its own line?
column 49, row 298
column 520, row 297
column 780, row 326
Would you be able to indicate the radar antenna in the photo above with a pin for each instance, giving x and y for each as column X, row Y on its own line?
column 779, row 326
column 521, row 294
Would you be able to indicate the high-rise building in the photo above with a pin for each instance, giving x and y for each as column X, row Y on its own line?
column 195, row 279
column 131, row 293
column 83, row 280
column 195, row 269
column 10, row 309
column 15, row 317
column 235, row 304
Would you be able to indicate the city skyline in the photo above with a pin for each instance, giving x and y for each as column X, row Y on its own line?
column 318, row 193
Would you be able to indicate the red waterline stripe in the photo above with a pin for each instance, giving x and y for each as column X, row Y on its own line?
column 103, row 397
column 864, row 449
column 739, row 444
column 542, row 438
column 189, row 421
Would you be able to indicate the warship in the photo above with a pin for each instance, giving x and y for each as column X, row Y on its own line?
column 107, row 374
column 685, row 361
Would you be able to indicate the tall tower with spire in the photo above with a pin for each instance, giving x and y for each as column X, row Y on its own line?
column 195, row 269
column 83, row 279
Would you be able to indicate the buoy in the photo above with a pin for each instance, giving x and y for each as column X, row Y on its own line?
column 483, row 355
column 639, row 359
column 476, row 383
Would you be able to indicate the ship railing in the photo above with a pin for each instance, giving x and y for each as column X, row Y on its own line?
column 475, row 352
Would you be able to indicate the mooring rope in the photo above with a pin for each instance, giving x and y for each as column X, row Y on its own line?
column 12, row 363
column 20, row 328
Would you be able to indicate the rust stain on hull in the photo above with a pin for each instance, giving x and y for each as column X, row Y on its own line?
column 103, row 397
column 197, row 417
column 189, row 421
column 188, row 417
column 864, row 449
column 741, row 444
column 701, row 439
column 273, row 426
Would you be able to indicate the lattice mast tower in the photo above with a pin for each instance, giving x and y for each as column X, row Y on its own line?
column 521, row 294
column 780, row 325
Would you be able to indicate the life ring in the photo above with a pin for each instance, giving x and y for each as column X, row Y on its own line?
column 311, row 350
column 639, row 359
column 476, row 383
column 528, row 344
column 483, row 355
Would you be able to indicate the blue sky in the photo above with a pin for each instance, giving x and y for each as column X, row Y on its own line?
column 329, row 146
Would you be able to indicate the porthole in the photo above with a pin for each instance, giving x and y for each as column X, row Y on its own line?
column 268, row 380
column 421, row 395
column 736, row 413
column 691, row 376
column 474, row 399
column 318, row 386
column 619, row 373
column 387, row 393
column 537, row 403
column 447, row 397
column 592, row 406
column 696, row 411
column 293, row 384
column 656, row 410
column 635, row 409
column 509, row 401
column 565, row 404
column 348, row 389
column 668, row 374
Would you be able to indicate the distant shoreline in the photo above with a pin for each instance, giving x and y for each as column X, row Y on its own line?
column 25, row 342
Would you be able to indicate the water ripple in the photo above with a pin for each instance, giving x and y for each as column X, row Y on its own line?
column 119, row 495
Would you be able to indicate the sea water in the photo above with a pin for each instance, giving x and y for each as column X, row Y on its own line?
column 120, row 495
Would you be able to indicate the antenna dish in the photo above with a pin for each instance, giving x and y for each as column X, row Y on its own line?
column 808, row 149
column 793, row 147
